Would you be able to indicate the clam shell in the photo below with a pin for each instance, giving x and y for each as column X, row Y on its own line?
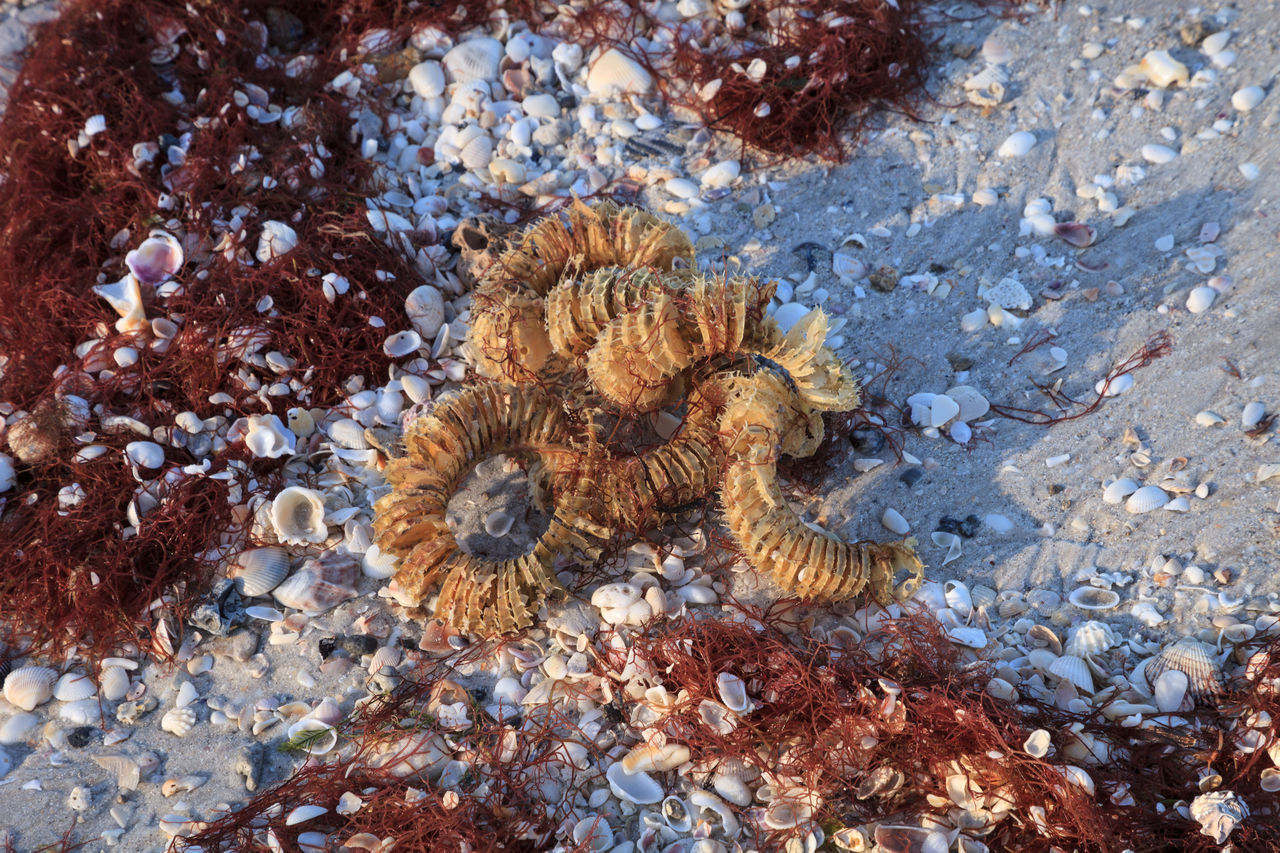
column 1200, row 299
column 958, row 598
column 1094, row 598
column 113, row 682
column 402, row 344
column 639, row 788
column 178, row 721
column 1089, row 638
column 1170, row 689
column 257, row 571
column 29, row 686
column 1118, row 490
column 733, row 692
column 427, row 79
column 1075, row 670
column 156, row 259
column 1017, row 145
column 73, row 687
column 1037, row 743
column 348, row 433
column 616, row 73
column 301, row 814
column 476, row 59
column 297, row 514
column 324, row 739
column 787, row 813
column 304, row 590
column 1193, row 658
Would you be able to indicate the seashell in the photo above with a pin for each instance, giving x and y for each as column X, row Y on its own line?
column 29, row 686
column 1075, row 670
column 942, row 409
column 787, row 813
column 733, row 692
column 958, row 598
column 789, row 314
column 82, row 712
column 721, row 174
column 1247, row 98
column 1163, row 70
column 18, row 727
column 1241, row 632
column 74, row 686
column 647, row 757
column 320, row 584
column 1017, row 145
column 277, row 239
column 178, row 721
column 616, row 595
column 268, row 438
column 592, row 833
column 1090, row 638
column 1037, row 744
column 475, row 59
column 972, row 404
column 1146, row 499
column 1094, row 598
column 733, row 788
column 1118, row 490
column 477, row 152
column 1218, row 813
column 182, row 784
column 498, row 523
column 145, row 454
column 348, row 433
column 893, row 520
column 157, row 259
column 302, row 814
column 1075, row 233
column 1200, row 299
column 676, row 814
column 910, row 839
column 639, row 788
column 950, row 541
column 1269, row 780
column 1169, row 690
column 113, row 683
column 128, row 772
column 1252, row 414
column 316, row 737
column 297, row 514
column 1194, row 659
column 1044, row 634
column 402, row 344
column 1158, row 154
column 615, row 73
column 259, row 570
column 427, row 79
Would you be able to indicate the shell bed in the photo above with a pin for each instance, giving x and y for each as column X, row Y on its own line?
column 591, row 320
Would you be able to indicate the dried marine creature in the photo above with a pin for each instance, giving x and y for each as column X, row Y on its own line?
column 587, row 321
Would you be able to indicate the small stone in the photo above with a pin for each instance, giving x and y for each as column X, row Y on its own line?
column 968, row 527
column 238, row 646
column 867, row 441
column 959, row 362
column 911, row 476
column 884, row 279
column 80, row 736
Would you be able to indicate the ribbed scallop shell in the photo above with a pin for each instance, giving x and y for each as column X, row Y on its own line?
column 74, row 686
column 29, row 686
column 1089, row 638
column 1192, row 657
column 257, row 571
column 476, row 59
column 113, row 682
column 1075, row 670
column 347, row 432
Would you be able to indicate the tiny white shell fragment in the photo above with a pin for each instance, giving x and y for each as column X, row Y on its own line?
column 1178, row 504
column 1057, row 461
column 972, row 404
column 1158, row 154
column 973, row 321
column 998, row 523
column 1249, row 171
column 1146, row 499
column 1247, row 98
column 974, row 638
column 1163, row 70
column 302, row 814
column 682, row 188
column 1017, row 145
column 1252, row 414
column 893, row 520
column 951, row 542
column 1200, row 299
column 1094, row 598
column 1207, row 418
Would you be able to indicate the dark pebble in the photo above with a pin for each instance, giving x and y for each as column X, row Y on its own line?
column 1056, row 488
column 327, row 645
column 80, row 736
column 867, row 441
column 958, row 361
column 884, row 279
column 966, row 528
column 911, row 476
column 358, row 644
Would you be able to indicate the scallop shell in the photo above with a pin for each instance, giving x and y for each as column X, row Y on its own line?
column 74, row 686
column 1146, row 499
column 1075, row 670
column 616, row 73
column 477, row 153
column 476, row 59
column 297, row 514
column 1094, row 598
column 1195, row 659
column 178, row 721
column 113, row 682
column 29, row 686
column 348, row 433
column 257, row 571
column 156, row 259
column 1090, row 638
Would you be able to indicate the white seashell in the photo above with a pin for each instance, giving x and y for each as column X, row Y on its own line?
column 507, row 171
column 1017, row 145
column 917, row 839
column 616, row 595
column 257, row 571
column 974, row 638
column 972, row 404
column 476, row 59
column 1146, row 499
column 1089, row 638
column 277, row 239
column 128, row 771
column 616, row 73
column 318, row 737
column 29, row 686
column 1163, row 70
column 1037, row 744
column 1001, row 689
column 541, row 105
column 893, row 520
column 787, row 813
column 16, row 728
column 647, row 757
column 942, row 410
column 113, row 682
column 1252, row 414
column 1158, row 154
column 681, row 188
column 427, row 79
column 1269, row 780
column 1194, row 659
column 498, row 523
column 187, row 694
column 973, row 321
column 788, row 315
column 302, row 814
column 1178, row 504
column 1094, row 598
column 1215, row 43
column 126, row 298
column 593, row 833
column 82, row 712
column 178, row 721
column 477, row 152
column 639, row 788
column 732, row 787
column 1200, row 298
column 268, row 438
column 1075, row 670
column 1118, row 490
column 425, row 308
column 156, row 259
column 1170, row 689
column 722, row 174
column 402, row 344
column 145, row 454
column 950, row 541
column 733, row 693
column 1247, row 98
column 958, row 598
column 74, row 686
column 297, row 514
column 847, row 267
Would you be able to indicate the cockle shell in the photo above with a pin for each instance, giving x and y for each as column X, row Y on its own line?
column 348, row 433
column 74, row 686
column 616, row 73
column 1094, row 598
column 1118, row 490
column 178, row 721
column 268, row 438
column 427, row 79
column 257, row 571
column 1089, row 638
column 156, row 259
column 475, row 59
column 475, row 148
column 29, row 686
column 1192, row 657
column 1075, row 670
column 113, row 682
column 297, row 513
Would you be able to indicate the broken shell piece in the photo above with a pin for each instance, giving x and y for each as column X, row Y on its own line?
column 128, row 772
column 950, row 541
column 910, row 839
column 1094, row 598
column 182, row 784
column 1218, row 813
column 616, row 595
column 29, row 686
column 402, row 344
column 972, row 404
column 268, row 438
column 301, row 814
column 648, row 757
column 1037, row 744
column 156, row 259
column 1090, row 638
column 314, row 736
column 733, row 692
column 639, row 788
column 1163, row 70
column 178, row 721
column 277, row 239
column 1075, row 233
column 1170, row 689
column 297, row 514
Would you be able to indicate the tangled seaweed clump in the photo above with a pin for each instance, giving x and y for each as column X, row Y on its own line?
column 595, row 319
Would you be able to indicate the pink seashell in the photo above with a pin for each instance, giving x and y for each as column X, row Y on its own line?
column 157, row 259
column 1076, row 233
